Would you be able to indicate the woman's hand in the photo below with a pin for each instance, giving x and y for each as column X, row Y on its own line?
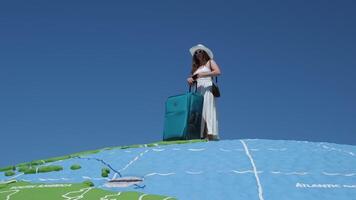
column 190, row 81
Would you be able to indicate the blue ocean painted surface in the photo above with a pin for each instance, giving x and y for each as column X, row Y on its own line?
column 226, row 169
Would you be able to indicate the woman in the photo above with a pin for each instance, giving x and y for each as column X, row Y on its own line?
column 204, row 68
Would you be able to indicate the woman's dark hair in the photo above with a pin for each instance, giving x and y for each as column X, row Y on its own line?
column 196, row 62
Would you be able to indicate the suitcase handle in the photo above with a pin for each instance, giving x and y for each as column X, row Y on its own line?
column 196, row 86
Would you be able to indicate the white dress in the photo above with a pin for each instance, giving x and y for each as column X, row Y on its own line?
column 209, row 115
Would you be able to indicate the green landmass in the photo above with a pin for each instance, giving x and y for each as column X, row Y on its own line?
column 105, row 172
column 66, row 191
column 49, row 168
column 7, row 168
column 9, row 173
column 75, row 167
column 29, row 171
column 88, row 183
column 41, row 169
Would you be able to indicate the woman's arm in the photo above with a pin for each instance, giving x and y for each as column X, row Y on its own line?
column 215, row 70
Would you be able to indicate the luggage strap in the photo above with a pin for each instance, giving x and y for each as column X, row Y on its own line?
column 196, row 86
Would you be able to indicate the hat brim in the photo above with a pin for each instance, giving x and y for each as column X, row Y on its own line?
column 206, row 49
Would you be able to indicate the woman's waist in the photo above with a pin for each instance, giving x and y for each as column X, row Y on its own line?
column 205, row 82
column 204, row 79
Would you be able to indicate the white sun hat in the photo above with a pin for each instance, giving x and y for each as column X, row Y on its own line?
column 200, row 46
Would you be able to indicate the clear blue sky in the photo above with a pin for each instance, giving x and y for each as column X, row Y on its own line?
column 81, row 75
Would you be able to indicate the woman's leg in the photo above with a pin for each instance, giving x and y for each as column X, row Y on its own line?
column 209, row 123
column 211, row 116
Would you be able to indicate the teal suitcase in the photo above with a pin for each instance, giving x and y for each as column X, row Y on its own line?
column 183, row 116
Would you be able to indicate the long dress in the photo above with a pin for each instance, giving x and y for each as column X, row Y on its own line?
column 209, row 115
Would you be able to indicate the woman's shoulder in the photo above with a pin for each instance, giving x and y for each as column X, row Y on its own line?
column 209, row 62
column 212, row 61
column 214, row 66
